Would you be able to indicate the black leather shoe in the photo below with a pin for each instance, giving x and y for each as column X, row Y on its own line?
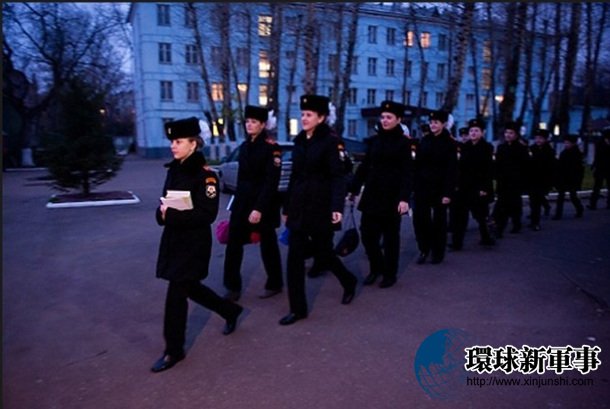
column 422, row 258
column 348, row 294
column 370, row 279
column 437, row 259
column 387, row 282
column 269, row 293
column 231, row 323
column 166, row 362
column 291, row 318
column 232, row 295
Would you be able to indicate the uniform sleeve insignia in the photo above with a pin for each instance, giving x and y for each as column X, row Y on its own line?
column 210, row 180
column 210, row 191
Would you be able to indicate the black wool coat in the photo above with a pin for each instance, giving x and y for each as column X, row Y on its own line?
column 511, row 167
column 601, row 160
column 435, row 167
column 475, row 170
column 317, row 186
column 186, row 241
column 386, row 172
column 260, row 164
column 542, row 167
column 570, row 169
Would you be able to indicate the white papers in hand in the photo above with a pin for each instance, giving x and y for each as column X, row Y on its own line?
column 178, row 199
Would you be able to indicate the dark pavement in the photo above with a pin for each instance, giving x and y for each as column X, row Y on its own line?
column 83, row 311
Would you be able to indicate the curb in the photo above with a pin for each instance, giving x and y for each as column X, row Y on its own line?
column 94, row 203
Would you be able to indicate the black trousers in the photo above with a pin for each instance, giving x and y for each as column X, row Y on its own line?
column 461, row 207
column 176, row 310
column 430, row 226
column 373, row 227
column 561, row 193
column 509, row 205
column 322, row 243
column 598, row 182
column 270, row 253
column 537, row 202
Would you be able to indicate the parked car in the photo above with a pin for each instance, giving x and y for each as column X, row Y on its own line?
column 227, row 169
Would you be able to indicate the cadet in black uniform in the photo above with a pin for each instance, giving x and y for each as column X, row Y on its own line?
column 256, row 206
column 601, row 170
column 386, row 173
column 314, row 205
column 570, row 172
column 511, row 166
column 186, row 242
column 541, row 173
column 435, row 180
column 475, row 186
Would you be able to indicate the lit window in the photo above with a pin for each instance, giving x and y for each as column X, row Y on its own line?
column 487, row 51
column 263, row 96
column 294, row 127
column 263, row 64
column 264, row 25
column 243, row 89
column 217, row 92
column 425, row 40
column 409, row 39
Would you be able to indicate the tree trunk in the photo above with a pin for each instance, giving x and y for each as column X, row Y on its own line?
column 347, row 70
column 292, row 73
column 459, row 58
column 570, row 64
column 556, row 75
column 310, row 40
column 225, row 69
column 529, row 39
column 274, row 60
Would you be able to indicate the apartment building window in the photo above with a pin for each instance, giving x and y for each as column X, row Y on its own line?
column 294, row 127
column 165, row 53
column 241, row 59
column 264, row 66
column 167, row 91
column 425, row 68
column 217, row 92
column 407, row 97
column 352, row 126
column 189, row 17
column 409, row 68
column 424, row 99
column 425, row 39
column 487, row 51
column 440, row 71
column 333, row 63
column 264, row 25
column 355, row 65
column 163, row 15
column 243, row 90
column 331, row 94
column 389, row 95
column 335, row 31
column 263, row 95
column 372, row 66
column 409, row 39
column 192, row 91
column 352, row 96
column 440, row 98
column 192, row 54
column 372, row 34
column 292, row 92
column 390, row 37
column 442, row 42
column 371, row 96
column 290, row 54
column 470, row 101
column 216, row 56
column 486, row 78
column 389, row 67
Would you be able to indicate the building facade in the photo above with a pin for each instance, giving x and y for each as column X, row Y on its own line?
column 397, row 56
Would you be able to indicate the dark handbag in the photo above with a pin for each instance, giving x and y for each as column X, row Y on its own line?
column 351, row 239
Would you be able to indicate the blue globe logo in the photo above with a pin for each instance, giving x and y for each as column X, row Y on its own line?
column 439, row 363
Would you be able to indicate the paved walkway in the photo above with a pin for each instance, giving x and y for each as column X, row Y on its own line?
column 82, row 314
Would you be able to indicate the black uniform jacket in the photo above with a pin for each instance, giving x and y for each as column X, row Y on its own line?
column 542, row 167
column 511, row 166
column 186, row 242
column 475, row 166
column 601, row 160
column 317, row 183
column 570, row 169
column 435, row 167
column 385, row 171
column 260, row 164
